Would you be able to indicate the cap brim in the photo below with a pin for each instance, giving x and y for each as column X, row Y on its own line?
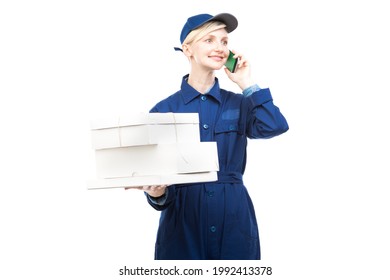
column 228, row 19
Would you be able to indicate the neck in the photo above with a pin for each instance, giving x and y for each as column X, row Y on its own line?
column 201, row 81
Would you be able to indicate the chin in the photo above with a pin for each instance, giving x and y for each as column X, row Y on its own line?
column 217, row 67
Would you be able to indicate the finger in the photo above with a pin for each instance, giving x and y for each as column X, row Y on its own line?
column 135, row 188
column 236, row 54
column 243, row 64
column 228, row 73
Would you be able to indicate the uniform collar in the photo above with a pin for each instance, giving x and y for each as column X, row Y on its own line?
column 189, row 93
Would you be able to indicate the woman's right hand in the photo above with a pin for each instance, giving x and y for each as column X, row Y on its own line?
column 153, row 191
column 242, row 75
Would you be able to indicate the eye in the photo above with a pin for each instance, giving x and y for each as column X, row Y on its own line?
column 225, row 43
column 208, row 40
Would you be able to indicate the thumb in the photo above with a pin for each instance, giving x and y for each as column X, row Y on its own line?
column 228, row 73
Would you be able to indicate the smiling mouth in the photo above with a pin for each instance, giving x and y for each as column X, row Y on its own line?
column 219, row 58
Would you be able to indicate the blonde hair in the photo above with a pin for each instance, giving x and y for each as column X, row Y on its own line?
column 200, row 32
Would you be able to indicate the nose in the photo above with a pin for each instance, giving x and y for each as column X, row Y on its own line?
column 219, row 46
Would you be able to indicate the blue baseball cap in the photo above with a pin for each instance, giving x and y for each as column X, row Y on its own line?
column 197, row 21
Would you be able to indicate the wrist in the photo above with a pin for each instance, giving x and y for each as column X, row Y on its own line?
column 246, row 84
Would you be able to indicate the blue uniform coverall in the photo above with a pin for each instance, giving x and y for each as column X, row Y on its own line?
column 216, row 220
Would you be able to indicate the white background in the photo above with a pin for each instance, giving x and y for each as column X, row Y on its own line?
column 320, row 190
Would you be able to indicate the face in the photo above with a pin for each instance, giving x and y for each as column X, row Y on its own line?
column 211, row 51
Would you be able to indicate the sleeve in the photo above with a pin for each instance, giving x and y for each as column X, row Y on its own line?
column 263, row 118
column 158, row 200
column 154, row 110
column 162, row 202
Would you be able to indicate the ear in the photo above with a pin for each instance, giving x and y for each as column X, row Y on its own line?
column 187, row 50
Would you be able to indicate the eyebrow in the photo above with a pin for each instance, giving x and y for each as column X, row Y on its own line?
column 213, row 36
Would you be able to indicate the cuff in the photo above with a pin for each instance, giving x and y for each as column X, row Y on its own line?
column 159, row 200
column 260, row 97
column 251, row 89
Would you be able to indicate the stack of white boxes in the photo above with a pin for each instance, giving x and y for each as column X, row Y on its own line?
column 147, row 149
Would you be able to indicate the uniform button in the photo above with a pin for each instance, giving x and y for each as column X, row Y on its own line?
column 206, row 126
column 232, row 127
column 203, row 98
column 210, row 193
column 213, row 229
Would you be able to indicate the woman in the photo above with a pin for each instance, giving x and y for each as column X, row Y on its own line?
column 214, row 220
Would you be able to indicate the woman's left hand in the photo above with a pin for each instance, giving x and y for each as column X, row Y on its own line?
column 154, row 191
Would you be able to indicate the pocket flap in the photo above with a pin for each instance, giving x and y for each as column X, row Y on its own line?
column 228, row 126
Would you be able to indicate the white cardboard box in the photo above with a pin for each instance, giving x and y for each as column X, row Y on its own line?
column 149, row 160
column 151, row 149
column 153, row 180
column 145, row 129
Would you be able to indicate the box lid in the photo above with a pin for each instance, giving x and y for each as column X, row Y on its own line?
column 145, row 118
column 172, row 118
column 168, row 179
column 132, row 119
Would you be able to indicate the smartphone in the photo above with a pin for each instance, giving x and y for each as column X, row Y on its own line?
column 231, row 63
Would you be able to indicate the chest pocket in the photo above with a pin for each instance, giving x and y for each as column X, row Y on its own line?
column 229, row 126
